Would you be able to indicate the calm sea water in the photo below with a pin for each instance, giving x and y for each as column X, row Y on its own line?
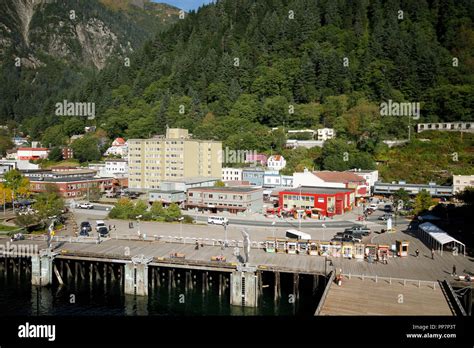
column 19, row 297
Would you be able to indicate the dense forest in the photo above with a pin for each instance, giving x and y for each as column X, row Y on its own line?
column 234, row 70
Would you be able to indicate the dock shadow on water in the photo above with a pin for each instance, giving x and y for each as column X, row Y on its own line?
column 96, row 289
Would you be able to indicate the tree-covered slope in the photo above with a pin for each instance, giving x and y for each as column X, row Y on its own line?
column 47, row 46
column 236, row 69
column 253, row 59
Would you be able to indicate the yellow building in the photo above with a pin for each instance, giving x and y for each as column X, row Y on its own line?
column 173, row 156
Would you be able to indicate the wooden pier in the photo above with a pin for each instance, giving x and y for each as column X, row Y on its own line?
column 367, row 297
column 140, row 265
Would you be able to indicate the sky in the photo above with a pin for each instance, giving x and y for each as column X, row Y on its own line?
column 186, row 5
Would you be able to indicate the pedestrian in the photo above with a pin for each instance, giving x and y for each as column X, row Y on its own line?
column 454, row 271
column 432, row 254
column 417, row 252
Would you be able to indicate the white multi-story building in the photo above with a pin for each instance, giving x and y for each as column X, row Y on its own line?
column 276, row 162
column 325, row 134
column 117, row 168
column 113, row 168
column 446, row 126
column 293, row 143
column 460, row 182
column 370, row 176
column 271, row 178
column 119, row 148
column 231, row 174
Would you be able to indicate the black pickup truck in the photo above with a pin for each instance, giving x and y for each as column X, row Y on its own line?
column 358, row 229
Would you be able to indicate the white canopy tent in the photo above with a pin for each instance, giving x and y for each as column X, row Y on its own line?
column 437, row 238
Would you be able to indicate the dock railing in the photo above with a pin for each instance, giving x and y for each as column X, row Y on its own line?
column 390, row 280
column 331, row 277
column 150, row 238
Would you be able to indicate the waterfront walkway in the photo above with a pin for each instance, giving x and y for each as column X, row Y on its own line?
column 410, row 267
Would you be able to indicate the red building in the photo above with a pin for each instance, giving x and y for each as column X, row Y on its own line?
column 322, row 201
column 72, row 187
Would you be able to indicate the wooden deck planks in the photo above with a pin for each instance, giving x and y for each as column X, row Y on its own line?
column 365, row 297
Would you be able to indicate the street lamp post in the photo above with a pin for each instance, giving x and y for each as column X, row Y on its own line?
column 225, row 234
column 299, row 213
column 181, row 227
column 138, row 226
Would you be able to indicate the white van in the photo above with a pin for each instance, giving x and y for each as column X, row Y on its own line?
column 295, row 234
column 217, row 220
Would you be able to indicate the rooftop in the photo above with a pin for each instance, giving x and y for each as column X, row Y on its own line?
column 192, row 180
column 67, row 179
column 314, row 189
column 227, row 189
column 166, row 191
column 344, row 177
column 33, row 149
column 378, row 183
column 116, row 160
column 120, row 141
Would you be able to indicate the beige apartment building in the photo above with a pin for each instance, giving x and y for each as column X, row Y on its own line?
column 460, row 182
column 173, row 156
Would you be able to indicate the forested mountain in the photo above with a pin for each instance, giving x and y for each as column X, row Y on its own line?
column 242, row 63
column 237, row 68
column 48, row 46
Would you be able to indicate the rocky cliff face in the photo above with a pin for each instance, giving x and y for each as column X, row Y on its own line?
column 79, row 32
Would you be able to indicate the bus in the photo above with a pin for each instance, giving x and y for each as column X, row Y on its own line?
column 295, row 234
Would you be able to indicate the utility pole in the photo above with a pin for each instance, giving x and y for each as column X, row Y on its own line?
column 409, row 128
column 299, row 214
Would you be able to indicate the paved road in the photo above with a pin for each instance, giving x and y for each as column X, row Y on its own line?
column 282, row 223
column 101, row 211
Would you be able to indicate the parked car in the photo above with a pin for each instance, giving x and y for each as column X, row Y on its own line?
column 365, row 231
column 385, row 216
column 346, row 238
column 341, row 238
column 388, row 208
column 103, row 231
column 99, row 224
column 84, row 232
column 353, row 236
column 373, row 206
column 86, row 225
column 86, row 206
